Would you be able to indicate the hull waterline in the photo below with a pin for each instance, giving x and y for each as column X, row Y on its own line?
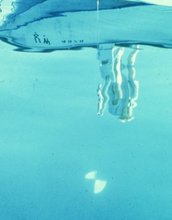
column 126, row 26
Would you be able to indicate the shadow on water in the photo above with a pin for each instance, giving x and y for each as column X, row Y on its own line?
column 111, row 27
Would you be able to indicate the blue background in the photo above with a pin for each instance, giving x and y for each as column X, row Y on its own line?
column 51, row 136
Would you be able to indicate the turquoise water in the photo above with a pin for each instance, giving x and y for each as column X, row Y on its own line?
column 51, row 137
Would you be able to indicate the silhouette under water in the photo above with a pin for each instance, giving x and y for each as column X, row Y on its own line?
column 109, row 25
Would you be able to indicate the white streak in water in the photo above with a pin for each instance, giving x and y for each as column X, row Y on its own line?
column 133, row 88
column 134, row 84
column 101, row 100
column 116, row 69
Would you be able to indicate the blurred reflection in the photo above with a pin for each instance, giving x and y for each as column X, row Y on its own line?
column 119, row 90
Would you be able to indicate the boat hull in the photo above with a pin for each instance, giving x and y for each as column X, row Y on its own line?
column 125, row 26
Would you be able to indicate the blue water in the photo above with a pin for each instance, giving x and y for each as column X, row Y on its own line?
column 51, row 136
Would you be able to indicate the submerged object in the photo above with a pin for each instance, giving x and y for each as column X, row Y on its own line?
column 91, row 175
column 99, row 184
column 46, row 27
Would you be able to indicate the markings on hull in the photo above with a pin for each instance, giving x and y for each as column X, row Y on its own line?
column 72, row 41
column 41, row 40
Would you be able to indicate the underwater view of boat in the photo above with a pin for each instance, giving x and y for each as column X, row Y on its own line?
column 85, row 103
column 49, row 25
